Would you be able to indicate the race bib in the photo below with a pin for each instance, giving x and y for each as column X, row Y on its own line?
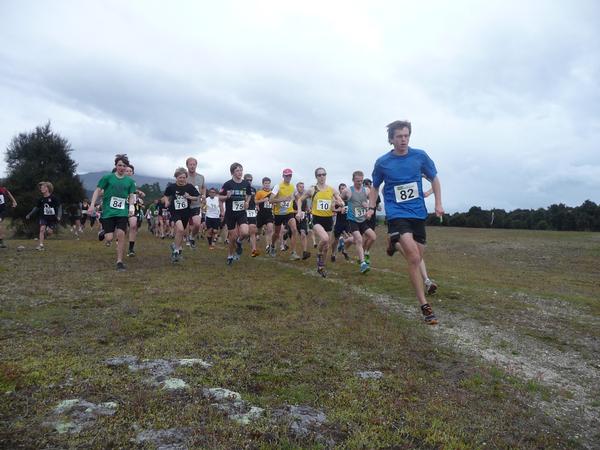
column 117, row 203
column 237, row 205
column 1, row 199
column 180, row 203
column 250, row 213
column 360, row 212
column 323, row 205
column 406, row 192
column 284, row 205
column 48, row 210
column 267, row 205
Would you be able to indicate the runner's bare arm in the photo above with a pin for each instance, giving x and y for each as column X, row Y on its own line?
column 437, row 192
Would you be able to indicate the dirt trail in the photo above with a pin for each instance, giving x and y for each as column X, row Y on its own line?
column 573, row 379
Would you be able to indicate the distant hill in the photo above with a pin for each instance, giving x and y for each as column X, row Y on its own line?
column 90, row 181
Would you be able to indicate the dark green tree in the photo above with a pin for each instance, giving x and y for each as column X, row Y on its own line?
column 152, row 191
column 40, row 155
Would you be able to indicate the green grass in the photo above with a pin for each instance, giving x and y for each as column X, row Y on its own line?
column 279, row 337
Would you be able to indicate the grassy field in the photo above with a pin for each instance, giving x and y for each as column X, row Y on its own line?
column 513, row 364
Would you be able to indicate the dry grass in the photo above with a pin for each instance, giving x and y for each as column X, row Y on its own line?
column 280, row 336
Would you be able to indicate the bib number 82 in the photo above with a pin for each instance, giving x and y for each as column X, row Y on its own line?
column 406, row 192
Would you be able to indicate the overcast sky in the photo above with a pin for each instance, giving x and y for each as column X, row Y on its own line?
column 503, row 95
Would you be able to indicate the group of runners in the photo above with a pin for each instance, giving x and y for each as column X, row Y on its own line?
column 283, row 213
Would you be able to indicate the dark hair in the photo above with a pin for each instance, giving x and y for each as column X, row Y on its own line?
column 233, row 167
column 266, row 179
column 319, row 168
column 123, row 158
column 398, row 125
column 132, row 168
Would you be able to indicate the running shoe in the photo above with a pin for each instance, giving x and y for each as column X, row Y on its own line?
column 101, row 235
column 430, row 287
column 255, row 253
column 305, row 255
column 294, row 257
column 40, row 248
column 273, row 252
column 314, row 245
column 364, row 267
column 120, row 267
column 341, row 246
column 428, row 315
column 238, row 248
column 192, row 243
column 229, row 260
column 332, row 258
column 368, row 258
column 131, row 253
column 211, row 247
column 175, row 256
column 391, row 248
column 321, row 266
column 346, row 256
column 2, row 245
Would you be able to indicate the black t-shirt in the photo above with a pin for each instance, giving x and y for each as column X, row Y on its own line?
column 48, row 206
column 239, row 191
column 177, row 200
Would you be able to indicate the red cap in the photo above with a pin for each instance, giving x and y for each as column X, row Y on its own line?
column 287, row 171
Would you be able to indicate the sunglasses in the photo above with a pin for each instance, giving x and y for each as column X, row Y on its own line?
column 321, row 174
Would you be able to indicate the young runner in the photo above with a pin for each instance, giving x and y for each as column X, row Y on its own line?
column 402, row 169
column 178, row 197
column 134, row 221
column 358, row 225
column 340, row 229
column 5, row 196
column 283, row 212
column 50, row 212
column 196, row 180
column 214, row 213
column 324, row 197
column 302, row 223
column 265, row 211
column 236, row 193
column 119, row 190
column 251, row 214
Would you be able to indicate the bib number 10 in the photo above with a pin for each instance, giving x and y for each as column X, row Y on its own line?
column 323, row 205
column 406, row 192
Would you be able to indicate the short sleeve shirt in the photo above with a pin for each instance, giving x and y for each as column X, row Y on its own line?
column 236, row 202
column 177, row 201
column 48, row 206
column 403, row 189
column 116, row 193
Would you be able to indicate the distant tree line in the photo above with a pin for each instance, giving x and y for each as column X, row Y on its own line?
column 585, row 217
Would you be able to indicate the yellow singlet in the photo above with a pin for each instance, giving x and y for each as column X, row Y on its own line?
column 322, row 202
column 283, row 208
